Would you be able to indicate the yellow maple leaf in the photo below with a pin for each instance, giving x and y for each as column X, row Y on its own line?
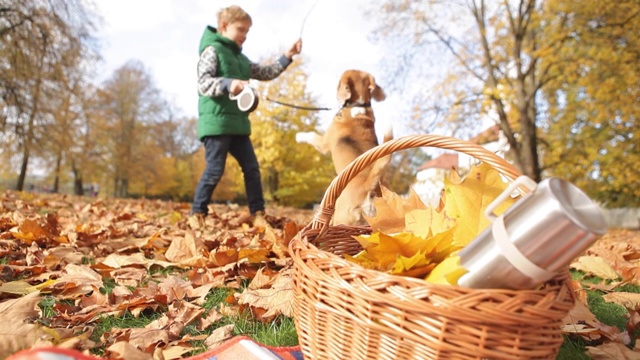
column 418, row 265
column 412, row 239
column 391, row 209
column 399, row 253
column 447, row 272
column 425, row 222
column 466, row 200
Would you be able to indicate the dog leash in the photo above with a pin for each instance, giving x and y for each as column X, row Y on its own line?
column 304, row 21
column 301, row 107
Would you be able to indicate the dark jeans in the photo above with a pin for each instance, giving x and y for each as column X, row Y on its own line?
column 216, row 149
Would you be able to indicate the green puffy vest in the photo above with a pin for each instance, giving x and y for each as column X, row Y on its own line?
column 220, row 115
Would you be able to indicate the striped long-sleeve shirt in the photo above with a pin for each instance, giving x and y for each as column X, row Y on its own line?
column 211, row 85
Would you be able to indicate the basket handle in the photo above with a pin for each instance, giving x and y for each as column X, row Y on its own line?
column 323, row 216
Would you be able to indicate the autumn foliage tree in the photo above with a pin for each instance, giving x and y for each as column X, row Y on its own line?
column 555, row 75
column 292, row 174
column 594, row 116
column 41, row 43
column 489, row 53
column 131, row 106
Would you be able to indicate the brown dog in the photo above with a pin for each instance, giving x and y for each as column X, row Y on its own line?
column 350, row 134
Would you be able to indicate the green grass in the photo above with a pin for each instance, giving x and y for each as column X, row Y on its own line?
column 215, row 297
column 126, row 321
column 574, row 347
column 46, row 305
column 279, row 332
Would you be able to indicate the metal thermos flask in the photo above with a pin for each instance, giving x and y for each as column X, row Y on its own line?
column 535, row 238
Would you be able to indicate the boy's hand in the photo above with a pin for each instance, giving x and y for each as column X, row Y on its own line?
column 295, row 49
column 236, row 86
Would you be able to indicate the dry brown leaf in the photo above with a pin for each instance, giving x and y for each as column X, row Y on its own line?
column 277, row 245
column 630, row 301
column 200, row 293
column 183, row 313
column 148, row 339
column 174, row 287
column 595, row 265
column 76, row 281
column 255, row 255
column 124, row 350
column 390, row 211
column 219, row 335
column 19, row 334
column 183, row 249
column 117, row 261
column 129, row 276
column 175, row 351
column 209, row 319
column 278, row 299
column 613, row 351
column 260, row 280
column 580, row 314
column 223, row 257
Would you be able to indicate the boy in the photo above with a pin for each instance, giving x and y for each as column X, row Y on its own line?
column 222, row 127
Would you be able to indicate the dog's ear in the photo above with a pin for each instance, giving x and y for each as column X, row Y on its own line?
column 344, row 90
column 376, row 91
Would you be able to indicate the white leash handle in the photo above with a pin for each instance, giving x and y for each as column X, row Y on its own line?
column 247, row 99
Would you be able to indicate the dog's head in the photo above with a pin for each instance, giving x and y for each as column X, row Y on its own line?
column 358, row 87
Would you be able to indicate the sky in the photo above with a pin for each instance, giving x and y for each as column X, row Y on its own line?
column 164, row 35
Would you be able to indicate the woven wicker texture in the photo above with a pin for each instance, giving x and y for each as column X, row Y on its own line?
column 344, row 311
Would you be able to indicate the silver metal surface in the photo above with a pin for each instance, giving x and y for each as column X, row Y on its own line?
column 550, row 226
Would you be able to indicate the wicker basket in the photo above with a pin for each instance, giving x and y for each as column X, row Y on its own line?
column 344, row 311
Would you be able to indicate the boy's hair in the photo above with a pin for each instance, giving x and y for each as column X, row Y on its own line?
column 232, row 14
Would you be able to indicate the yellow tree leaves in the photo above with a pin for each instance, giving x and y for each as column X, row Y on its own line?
column 413, row 239
column 592, row 133
column 292, row 174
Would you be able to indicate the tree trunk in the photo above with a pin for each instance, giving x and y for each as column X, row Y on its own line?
column 77, row 180
column 23, row 168
column 56, row 180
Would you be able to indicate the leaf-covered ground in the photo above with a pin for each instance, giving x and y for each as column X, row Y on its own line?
column 72, row 268
column 69, row 265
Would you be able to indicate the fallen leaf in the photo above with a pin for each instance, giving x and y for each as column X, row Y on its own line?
column 18, row 334
column 183, row 249
column 631, row 301
column 596, row 266
column 613, row 351
column 219, row 335
column 278, row 299
column 124, row 350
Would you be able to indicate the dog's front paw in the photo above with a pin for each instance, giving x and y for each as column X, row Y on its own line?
column 305, row 137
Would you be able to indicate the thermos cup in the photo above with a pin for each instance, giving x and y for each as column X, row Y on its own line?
column 535, row 238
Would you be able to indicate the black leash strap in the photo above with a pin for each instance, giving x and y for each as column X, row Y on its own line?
column 299, row 106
